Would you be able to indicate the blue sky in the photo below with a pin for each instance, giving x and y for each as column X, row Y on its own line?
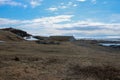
column 81, row 18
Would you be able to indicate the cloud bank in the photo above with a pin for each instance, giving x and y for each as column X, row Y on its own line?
column 64, row 25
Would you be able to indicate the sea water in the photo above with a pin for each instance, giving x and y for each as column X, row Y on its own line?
column 110, row 44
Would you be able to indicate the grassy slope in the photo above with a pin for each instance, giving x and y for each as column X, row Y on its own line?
column 8, row 36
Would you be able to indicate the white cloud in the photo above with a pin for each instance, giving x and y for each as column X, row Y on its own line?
column 4, row 21
column 81, row 0
column 52, row 20
column 11, row 3
column 35, row 3
column 71, row 4
column 74, row 5
column 55, row 25
column 62, row 6
column 52, row 9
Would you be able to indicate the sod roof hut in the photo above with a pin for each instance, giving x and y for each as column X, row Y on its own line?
column 62, row 38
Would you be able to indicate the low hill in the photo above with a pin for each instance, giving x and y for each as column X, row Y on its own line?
column 18, row 32
column 9, row 36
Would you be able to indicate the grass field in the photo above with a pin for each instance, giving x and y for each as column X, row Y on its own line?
column 27, row 60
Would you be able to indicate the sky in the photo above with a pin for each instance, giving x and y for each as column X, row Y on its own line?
column 79, row 18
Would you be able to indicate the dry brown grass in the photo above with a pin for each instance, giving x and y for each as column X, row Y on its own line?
column 31, row 61
column 55, row 68
column 8, row 36
column 94, row 72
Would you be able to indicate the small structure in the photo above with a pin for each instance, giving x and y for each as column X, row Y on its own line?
column 48, row 42
column 62, row 38
column 41, row 37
